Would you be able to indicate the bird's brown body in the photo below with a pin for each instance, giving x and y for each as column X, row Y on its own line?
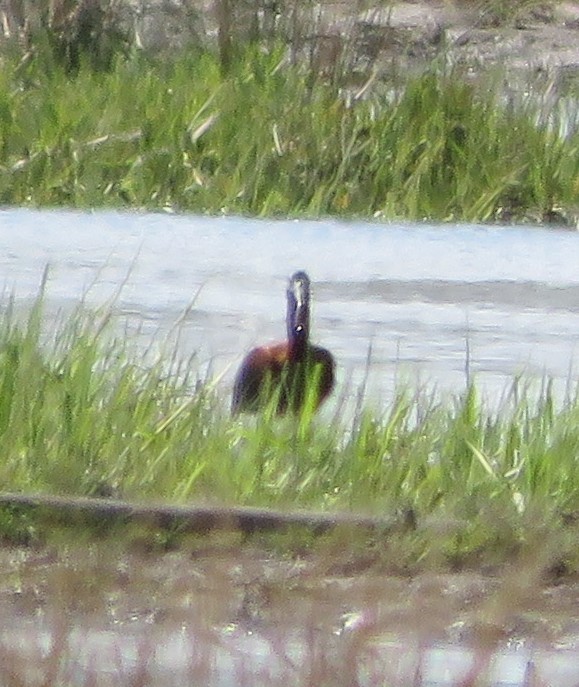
column 292, row 374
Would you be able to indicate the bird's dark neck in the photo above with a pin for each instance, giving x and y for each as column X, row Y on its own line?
column 298, row 315
column 298, row 349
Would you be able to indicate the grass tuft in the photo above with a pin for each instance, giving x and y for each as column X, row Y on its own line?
column 81, row 415
column 263, row 140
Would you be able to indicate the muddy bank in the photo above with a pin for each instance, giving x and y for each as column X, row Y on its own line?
column 258, row 570
column 538, row 39
column 173, row 566
column 213, row 586
column 99, row 615
column 334, row 36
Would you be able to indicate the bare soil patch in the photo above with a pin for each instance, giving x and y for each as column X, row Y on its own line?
column 212, row 586
column 540, row 40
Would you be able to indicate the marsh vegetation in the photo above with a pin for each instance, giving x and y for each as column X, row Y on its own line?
column 255, row 117
column 272, row 132
column 474, row 514
column 100, row 421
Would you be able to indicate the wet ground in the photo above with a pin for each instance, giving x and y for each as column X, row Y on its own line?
column 217, row 614
column 534, row 37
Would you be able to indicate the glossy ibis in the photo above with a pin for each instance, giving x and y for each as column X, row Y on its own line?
column 290, row 374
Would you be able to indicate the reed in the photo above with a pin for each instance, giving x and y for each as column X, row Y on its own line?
column 489, row 498
column 82, row 415
column 266, row 140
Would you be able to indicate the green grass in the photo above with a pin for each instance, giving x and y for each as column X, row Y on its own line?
column 266, row 140
column 80, row 414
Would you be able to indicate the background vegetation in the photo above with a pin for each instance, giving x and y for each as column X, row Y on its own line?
column 261, row 124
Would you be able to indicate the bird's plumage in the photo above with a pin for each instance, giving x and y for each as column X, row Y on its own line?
column 293, row 373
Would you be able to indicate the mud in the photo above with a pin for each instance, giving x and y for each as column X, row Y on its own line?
column 540, row 39
column 225, row 584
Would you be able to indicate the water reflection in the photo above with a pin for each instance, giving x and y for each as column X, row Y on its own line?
column 235, row 658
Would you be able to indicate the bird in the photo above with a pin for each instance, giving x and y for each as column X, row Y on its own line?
column 288, row 375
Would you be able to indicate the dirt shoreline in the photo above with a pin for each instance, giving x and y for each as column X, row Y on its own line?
column 150, row 555
column 383, row 39
column 542, row 41
column 119, row 583
column 538, row 36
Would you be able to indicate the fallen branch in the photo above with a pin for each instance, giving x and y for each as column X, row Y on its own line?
column 200, row 519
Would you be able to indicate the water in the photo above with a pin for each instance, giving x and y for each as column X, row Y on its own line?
column 186, row 657
column 415, row 298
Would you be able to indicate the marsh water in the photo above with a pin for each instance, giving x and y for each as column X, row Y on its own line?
column 231, row 618
column 394, row 302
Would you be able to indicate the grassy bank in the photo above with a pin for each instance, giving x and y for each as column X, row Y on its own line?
column 81, row 416
column 274, row 139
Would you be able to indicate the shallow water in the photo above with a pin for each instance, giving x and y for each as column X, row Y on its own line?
column 111, row 614
column 415, row 298
column 248, row 660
